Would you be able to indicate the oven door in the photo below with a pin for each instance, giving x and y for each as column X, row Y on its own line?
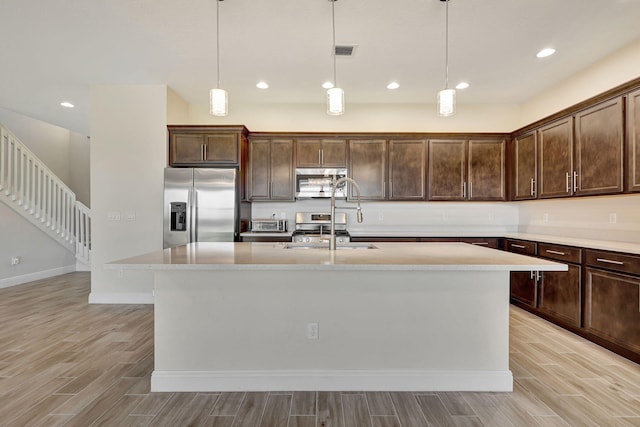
column 317, row 183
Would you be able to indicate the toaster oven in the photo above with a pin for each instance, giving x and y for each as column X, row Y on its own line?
column 271, row 225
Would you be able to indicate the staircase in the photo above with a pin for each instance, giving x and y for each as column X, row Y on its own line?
column 36, row 193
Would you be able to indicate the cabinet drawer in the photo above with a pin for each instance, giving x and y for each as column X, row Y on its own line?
column 560, row 252
column 521, row 247
column 613, row 261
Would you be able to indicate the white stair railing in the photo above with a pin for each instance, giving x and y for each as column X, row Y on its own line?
column 31, row 189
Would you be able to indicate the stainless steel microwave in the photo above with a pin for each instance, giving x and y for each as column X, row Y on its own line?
column 318, row 182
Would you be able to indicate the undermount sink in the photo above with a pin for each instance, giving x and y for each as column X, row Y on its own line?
column 325, row 246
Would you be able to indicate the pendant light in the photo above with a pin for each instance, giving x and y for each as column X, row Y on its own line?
column 335, row 95
column 218, row 98
column 446, row 97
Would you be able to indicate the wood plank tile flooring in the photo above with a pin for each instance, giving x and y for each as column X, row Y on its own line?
column 65, row 362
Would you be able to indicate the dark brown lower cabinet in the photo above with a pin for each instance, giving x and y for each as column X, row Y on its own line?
column 560, row 295
column 524, row 287
column 612, row 307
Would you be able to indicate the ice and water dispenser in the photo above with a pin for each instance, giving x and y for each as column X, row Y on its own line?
column 178, row 216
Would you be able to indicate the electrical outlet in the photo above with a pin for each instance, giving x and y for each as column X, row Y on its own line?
column 545, row 217
column 613, row 218
column 113, row 216
column 380, row 216
column 15, row 260
column 131, row 216
column 312, row 331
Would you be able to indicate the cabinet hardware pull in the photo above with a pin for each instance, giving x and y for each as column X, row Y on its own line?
column 533, row 190
column 555, row 252
column 464, row 190
column 610, row 261
column 575, row 181
column 202, row 152
column 390, row 188
column 538, row 276
column 567, row 180
column 513, row 245
column 205, row 152
column 471, row 190
column 319, row 156
column 480, row 243
column 384, row 188
column 531, row 275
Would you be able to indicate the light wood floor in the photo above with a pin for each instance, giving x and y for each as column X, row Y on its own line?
column 65, row 362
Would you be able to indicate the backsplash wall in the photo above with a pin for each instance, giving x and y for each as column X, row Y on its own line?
column 614, row 218
column 408, row 218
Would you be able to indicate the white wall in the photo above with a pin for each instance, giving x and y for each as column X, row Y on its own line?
column 40, row 256
column 128, row 156
column 408, row 218
column 616, row 69
column 361, row 118
column 584, row 217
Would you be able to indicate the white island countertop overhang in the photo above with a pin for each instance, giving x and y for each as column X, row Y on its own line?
column 401, row 317
column 385, row 256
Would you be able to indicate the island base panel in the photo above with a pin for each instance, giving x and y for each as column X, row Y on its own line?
column 233, row 330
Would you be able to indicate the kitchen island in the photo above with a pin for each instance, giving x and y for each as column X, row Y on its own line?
column 262, row 316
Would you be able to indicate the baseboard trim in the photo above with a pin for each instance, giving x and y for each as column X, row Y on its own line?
column 121, row 298
column 39, row 275
column 220, row 381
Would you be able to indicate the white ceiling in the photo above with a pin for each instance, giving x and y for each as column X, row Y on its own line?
column 54, row 50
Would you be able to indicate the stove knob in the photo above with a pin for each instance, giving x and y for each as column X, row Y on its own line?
column 307, row 239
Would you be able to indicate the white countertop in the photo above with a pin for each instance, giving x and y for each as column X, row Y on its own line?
column 605, row 245
column 386, row 256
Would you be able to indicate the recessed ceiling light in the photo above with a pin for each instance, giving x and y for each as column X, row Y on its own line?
column 462, row 85
column 67, row 104
column 393, row 85
column 262, row 85
column 546, row 52
column 327, row 85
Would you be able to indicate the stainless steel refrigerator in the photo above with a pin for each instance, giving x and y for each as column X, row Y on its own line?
column 203, row 205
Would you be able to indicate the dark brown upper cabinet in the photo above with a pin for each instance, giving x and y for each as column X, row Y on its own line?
column 407, row 163
column 271, row 170
column 466, row 170
column 205, row 146
column 321, row 153
column 447, row 169
column 633, row 141
column 525, row 156
column 486, row 170
column 556, row 159
column 368, row 167
column 599, row 149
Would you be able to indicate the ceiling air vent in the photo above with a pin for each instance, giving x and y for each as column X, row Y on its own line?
column 345, row 50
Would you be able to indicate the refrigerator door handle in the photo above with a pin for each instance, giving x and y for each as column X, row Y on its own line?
column 194, row 210
column 190, row 225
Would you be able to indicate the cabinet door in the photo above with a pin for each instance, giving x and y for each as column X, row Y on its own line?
column 259, row 181
column 447, row 171
column 560, row 295
column 556, row 153
column 334, row 153
column 222, row 148
column 406, row 170
column 282, row 170
column 633, row 139
column 486, row 170
column 599, row 139
column 612, row 307
column 186, row 149
column 525, row 160
column 308, row 153
column 367, row 166
column 524, row 287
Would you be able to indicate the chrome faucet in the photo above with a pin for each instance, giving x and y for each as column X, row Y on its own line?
column 334, row 185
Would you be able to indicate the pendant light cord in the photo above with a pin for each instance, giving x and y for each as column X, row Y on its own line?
column 218, row 43
column 333, row 20
column 446, row 48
